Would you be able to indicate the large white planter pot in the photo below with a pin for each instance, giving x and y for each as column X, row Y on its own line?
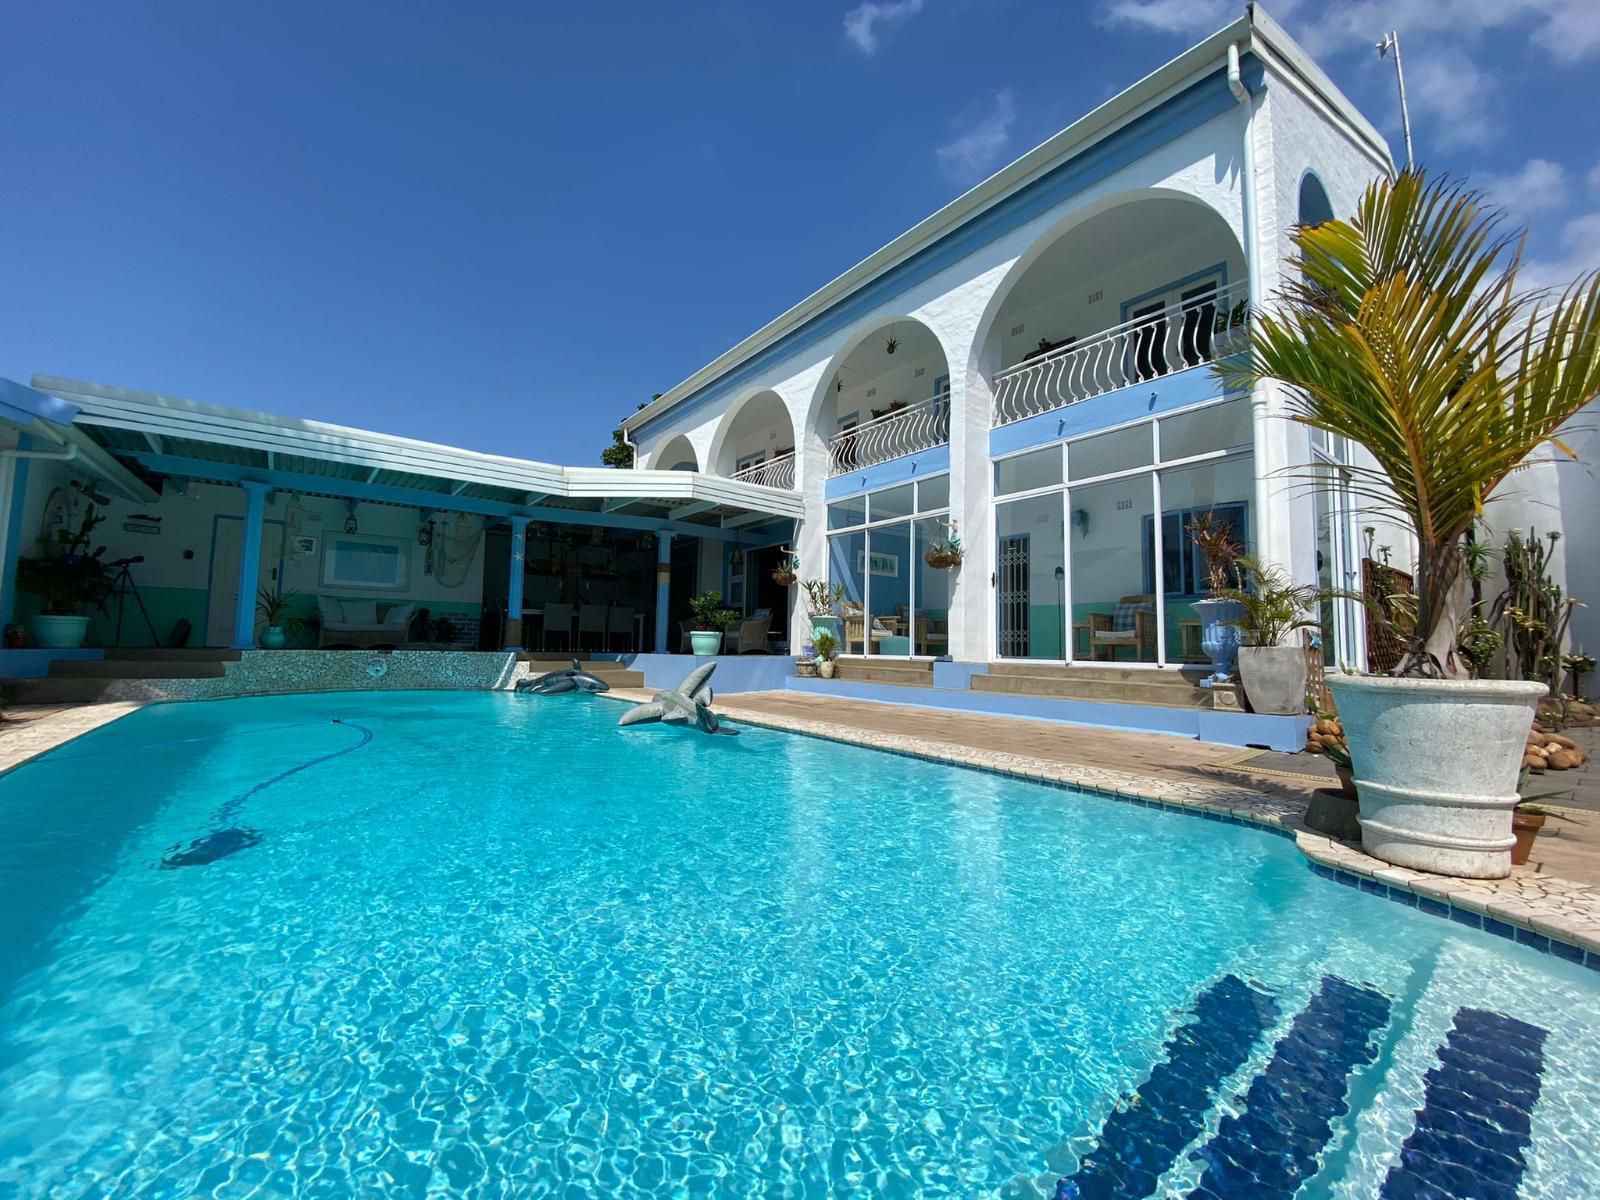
column 57, row 632
column 1274, row 679
column 1436, row 765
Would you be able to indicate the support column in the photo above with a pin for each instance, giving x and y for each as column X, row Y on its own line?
column 519, row 558
column 13, row 495
column 663, row 587
column 244, row 613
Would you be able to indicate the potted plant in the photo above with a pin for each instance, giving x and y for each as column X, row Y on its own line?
column 69, row 578
column 1218, row 613
column 273, row 609
column 1272, row 607
column 1527, row 819
column 786, row 572
column 946, row 553
column 821, row 599
column 708, row 621
column 827, row 648
column 1403, row 331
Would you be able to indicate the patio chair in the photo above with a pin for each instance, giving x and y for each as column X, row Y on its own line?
column 856, row 632
column 1132, row 624
column 557, row 619
column 592, row 619
column 753, row 634
column 933, row 636
column 620, row 620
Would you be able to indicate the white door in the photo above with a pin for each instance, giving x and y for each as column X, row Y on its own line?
column 225, row 574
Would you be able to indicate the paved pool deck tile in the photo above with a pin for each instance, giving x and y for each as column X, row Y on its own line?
column 27, row 731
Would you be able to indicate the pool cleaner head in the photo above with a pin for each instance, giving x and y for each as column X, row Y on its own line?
column 208, row 849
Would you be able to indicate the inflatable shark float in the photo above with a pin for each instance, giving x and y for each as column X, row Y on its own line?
column 568, row 679
column 689, row 702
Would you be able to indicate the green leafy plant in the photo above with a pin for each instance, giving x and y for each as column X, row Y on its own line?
column 826, row 646
column 822, row 597
column 1219, row 549
column 946, row 552
column 1532, row 613
column 275, row 609
column 1274, row 604
column 708, row 615
column 1579, row 664
column 68, row 576
column 1404, row 331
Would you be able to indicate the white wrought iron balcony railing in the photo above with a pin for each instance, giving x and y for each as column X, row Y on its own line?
column 774, row 472
column 1196, row 331
column 893, row 435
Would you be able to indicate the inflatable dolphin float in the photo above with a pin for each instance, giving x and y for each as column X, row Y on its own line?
column 567, row 679
column 689, row 702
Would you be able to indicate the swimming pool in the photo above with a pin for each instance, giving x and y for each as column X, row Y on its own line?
column 506, row 949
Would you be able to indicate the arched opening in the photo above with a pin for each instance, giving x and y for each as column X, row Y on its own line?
column 1314, row 206
column 886, row 396
column 756, row 442
column 1096, row 556
column 676, row 455
column 1147, row 287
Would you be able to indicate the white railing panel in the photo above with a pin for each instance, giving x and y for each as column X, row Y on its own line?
column 1181, row 336
column 893, row 435
column 775, row 472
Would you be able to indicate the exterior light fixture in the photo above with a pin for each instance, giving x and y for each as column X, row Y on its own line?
column 350, row 525
column 894, row 342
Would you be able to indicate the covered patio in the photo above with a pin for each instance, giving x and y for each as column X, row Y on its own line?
column 218, row 506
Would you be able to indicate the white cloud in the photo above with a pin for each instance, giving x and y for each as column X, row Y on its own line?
column 862, row 23
column 1186, row 17
column 1580, row 254
column 1453, row 98
column 981, row 145
column 1538, row 186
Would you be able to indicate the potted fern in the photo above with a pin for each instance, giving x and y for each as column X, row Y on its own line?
column 1404, row 331
column 821, row 600
column 1272, row 607
column 709, row 620
column 70, row 577
column 274, row 610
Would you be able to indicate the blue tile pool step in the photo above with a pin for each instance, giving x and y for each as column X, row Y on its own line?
column 1146, row 1132
column 1274, row 1145
column 1475, row 1124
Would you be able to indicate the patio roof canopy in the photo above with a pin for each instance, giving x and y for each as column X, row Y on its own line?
column 163, row 437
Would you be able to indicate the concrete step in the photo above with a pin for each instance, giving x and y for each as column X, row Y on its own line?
column 101, row 668
column 615, row 673
column 1178, row 694
column 1187, row 676
column 905, row 674
column 55, row 691
column 180, row 654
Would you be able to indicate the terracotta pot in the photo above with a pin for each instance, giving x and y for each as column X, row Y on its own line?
column 1525, row 827
column 1347, row 780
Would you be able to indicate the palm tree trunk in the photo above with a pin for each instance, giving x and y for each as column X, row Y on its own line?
column 1443, row 600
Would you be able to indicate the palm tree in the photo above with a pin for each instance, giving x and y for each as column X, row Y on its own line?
column 1404, row 330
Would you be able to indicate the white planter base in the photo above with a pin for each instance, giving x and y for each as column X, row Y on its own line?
column 1436, row 765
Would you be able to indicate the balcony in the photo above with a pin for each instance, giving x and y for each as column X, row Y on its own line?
column 893, row 435
column 1178, row 337
column 774, row 472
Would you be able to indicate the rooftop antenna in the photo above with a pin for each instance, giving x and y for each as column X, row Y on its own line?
column 1391, row 41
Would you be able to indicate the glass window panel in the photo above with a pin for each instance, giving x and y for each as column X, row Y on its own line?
column 1030, row 578
column 847, row 513
column 931, row 626
column 888, row 629
column 846, row 561
column 1113, row 602
column 1224, row 490
column 1037, row 469
column 1220, row 427
column 933, row 493
column 895, row 502
column 1107, row 452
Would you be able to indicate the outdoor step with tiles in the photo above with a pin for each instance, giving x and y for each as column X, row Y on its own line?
column 1167, row 689
column 173, row 654
column 906, row 674
column 151, row 668
column 617, row 674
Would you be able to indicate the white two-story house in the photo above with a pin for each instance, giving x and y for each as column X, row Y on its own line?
column 1029, row 367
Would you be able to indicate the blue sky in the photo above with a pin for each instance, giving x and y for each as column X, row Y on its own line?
column 501, row 226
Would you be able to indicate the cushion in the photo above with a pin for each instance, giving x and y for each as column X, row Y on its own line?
column 330, row 609
column 360, row 612
column 398, row 614
column 1123, row 616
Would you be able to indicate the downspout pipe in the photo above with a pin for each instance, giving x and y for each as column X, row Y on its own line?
column 1261, row 522
column 66, row 454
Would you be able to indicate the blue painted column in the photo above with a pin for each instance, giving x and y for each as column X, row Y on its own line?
column 663, row 587
column 11, row 543
column 244, row 613
column 519, row 558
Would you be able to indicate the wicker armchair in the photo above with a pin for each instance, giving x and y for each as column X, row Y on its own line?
column 752, row 634
column 1131, row 624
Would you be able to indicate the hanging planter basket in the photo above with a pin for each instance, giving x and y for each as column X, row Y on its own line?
column 942, row 558
column 784, row 577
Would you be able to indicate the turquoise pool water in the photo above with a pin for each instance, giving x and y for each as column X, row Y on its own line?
column 506, row 949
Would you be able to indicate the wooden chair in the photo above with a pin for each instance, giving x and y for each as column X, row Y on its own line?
column 856, row 632
column 1132, row 624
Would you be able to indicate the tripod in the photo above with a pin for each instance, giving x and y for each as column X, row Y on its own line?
column 124, row 587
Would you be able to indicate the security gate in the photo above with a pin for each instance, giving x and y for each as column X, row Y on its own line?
column 1011, row 585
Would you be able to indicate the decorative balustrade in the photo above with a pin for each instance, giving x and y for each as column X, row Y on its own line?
column 893, row 435
column 1196, row 331
column 774, row 472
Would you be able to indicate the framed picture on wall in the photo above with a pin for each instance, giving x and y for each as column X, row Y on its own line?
column 302, row 546
column 353, row 560
column 882, row 564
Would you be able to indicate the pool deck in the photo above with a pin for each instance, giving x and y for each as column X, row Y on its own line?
column 1556, row 896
